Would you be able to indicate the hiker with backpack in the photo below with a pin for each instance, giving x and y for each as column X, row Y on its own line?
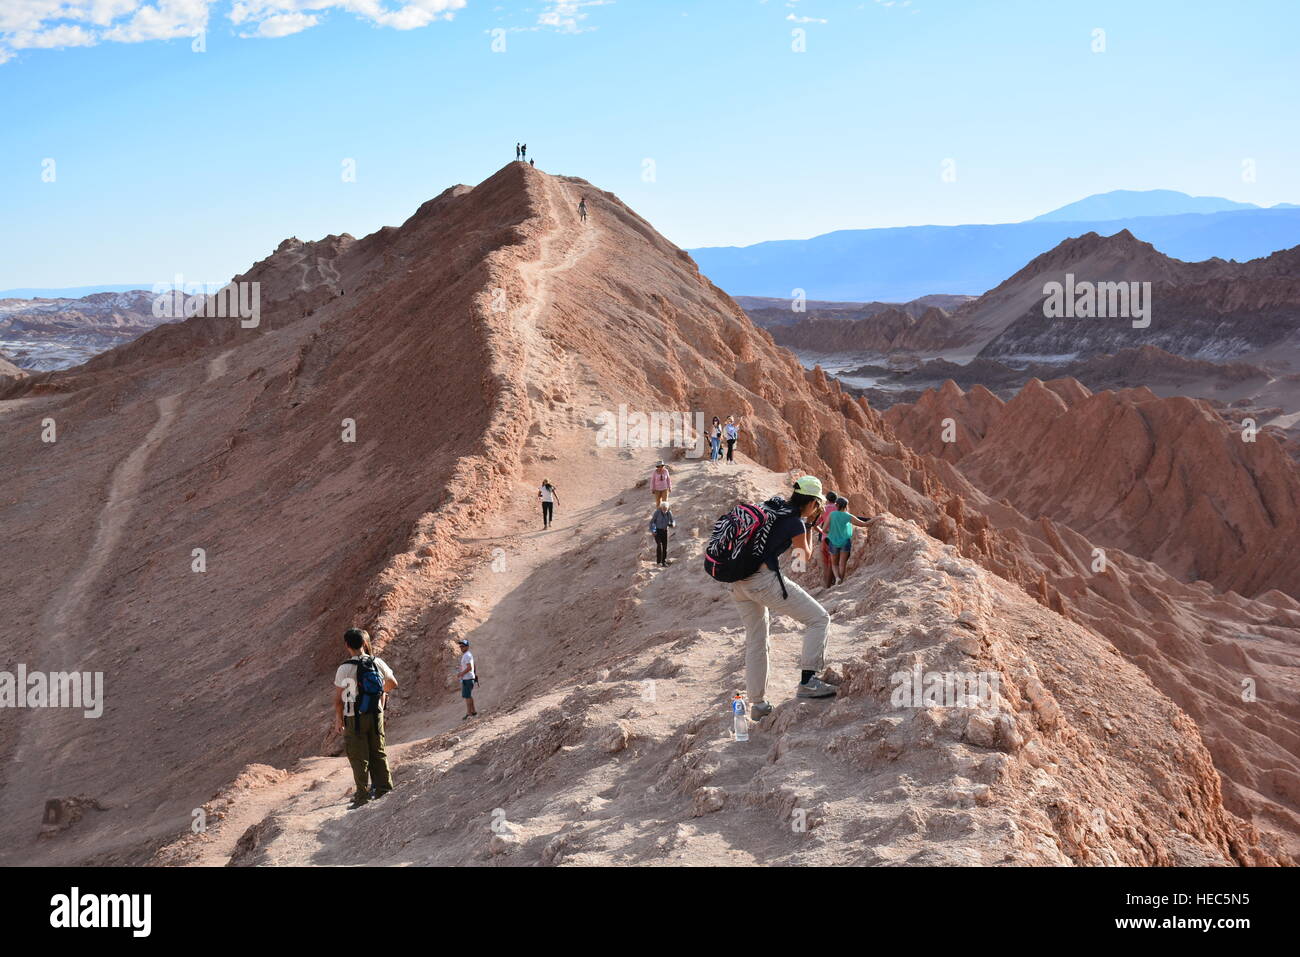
column 745, row 550
column 361, row 688
column 839, row 535
column 468, row 679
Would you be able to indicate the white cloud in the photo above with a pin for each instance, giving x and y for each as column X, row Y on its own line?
column 32, row 24
column 64, row 36
column 567, row 15
column 165, row 20
column 285, row 24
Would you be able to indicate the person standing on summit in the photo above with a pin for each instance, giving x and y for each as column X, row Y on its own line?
column 523, row 151
column 517, row 154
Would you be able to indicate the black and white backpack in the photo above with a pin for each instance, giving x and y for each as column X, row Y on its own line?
column 739, row 538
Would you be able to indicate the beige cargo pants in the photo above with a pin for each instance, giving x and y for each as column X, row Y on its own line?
column 754, row 596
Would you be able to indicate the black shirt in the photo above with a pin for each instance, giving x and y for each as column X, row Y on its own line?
column 783, row 532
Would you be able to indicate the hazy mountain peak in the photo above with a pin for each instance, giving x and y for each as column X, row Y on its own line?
column 1130, row 203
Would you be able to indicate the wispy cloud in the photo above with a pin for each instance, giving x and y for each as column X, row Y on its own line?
column 562, row 16
column 53, row 24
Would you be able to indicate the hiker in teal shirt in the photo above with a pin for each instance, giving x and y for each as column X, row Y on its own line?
column 839, row 536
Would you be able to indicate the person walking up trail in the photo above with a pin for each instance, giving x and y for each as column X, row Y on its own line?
column 731, row 432
column 361, row 686
column 660, row 521
column 828, row 560
column 468, row 678
column 582, row 208
column 661, row 482
column 548, row 497
column 839, row 534
column 757, row 535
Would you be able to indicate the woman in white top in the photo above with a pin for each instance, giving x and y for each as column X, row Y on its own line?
column 548, row 497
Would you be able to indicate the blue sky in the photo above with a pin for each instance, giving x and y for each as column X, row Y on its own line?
column 168, row 160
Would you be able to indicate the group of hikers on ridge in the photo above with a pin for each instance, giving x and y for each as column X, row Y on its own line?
column 521, row 154
column 744, row 552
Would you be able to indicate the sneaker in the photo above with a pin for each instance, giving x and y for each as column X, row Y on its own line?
column 357, row 802
column 815, row 688
column 760, row 711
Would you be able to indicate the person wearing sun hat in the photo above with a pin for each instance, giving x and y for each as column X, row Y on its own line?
column 661, row 482
column 768, row 592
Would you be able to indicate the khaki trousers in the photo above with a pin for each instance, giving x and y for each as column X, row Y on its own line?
column 758, row 594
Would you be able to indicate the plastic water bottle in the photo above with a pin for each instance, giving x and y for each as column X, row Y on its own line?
column 739, row 717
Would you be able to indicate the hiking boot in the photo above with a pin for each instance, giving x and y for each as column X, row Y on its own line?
column 815, row 688
column 358, row 802
column 760, row 711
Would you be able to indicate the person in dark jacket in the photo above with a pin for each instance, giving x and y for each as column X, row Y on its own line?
column 660, row 521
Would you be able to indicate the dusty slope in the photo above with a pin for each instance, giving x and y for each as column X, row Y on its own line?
column 616, row 751
column 474, row 348
column 210, row 436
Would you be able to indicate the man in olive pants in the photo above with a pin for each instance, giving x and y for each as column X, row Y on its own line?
column 363, row 734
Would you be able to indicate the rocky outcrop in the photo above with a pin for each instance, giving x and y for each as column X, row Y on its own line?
column 892, row 330
column 1168, row 479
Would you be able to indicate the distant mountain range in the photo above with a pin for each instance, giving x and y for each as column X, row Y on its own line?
column 1211, row 310
column 71, row 292
column 908, row 262
column 1131, row 204
column 42, row 333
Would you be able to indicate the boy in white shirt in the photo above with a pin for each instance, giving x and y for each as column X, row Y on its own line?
column 467, row 678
